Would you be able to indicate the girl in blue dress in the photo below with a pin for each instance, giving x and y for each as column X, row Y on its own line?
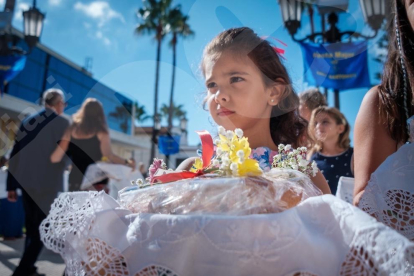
column 329, row 129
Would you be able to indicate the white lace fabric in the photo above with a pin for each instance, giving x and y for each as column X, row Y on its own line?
column 321, row 236
column 389, row 195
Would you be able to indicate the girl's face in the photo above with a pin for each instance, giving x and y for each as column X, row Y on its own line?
column 236, row 93
column 326, row 129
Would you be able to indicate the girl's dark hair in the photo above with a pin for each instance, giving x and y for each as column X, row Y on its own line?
column 394, row 105
column 90, row 118
column 286, row 125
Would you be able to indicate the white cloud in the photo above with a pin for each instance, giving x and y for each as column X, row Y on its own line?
column 87, row 25
column 18, row 13
column 55, row 2
column 100, row 11
column 105, row 40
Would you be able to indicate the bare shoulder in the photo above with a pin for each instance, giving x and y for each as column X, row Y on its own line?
column 368, row 118
column 102, row 135
column 186, row 164
column 371, row 101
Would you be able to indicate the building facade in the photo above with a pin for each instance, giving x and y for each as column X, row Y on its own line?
column 46, row 69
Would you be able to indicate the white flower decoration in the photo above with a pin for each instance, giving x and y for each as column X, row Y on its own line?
column 222, row 130
column 233, row 167
column 288, row 147
column 239, row 132
column 303, row 163
column 229, row 134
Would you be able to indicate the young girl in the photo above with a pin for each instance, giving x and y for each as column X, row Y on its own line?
column 330, row 130
column 249, row 88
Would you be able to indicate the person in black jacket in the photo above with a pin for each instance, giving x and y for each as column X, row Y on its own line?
column 31, row 170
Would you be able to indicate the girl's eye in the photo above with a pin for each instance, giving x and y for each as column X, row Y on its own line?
column 211, row 85
column 236, row 79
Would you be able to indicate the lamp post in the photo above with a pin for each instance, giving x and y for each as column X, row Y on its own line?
column 183, row 124
column 154, row 141
column 374, row 14
column 32, row 25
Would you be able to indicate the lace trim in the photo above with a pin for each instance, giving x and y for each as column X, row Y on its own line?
column 399, row 213
column 156, row 270
column 104, row 260
column 368, row 257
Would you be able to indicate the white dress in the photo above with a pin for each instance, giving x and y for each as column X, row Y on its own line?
column 389, row 195
column 323, row 235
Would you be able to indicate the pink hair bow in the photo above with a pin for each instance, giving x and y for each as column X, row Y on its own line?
column 278, row 50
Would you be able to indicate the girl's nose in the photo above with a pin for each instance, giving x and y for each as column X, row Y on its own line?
column 221, row 97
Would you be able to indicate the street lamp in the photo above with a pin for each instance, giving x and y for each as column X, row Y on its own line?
column 374, row 14
column 291, row 13
column 33, row 25
column 183, row 124
column 157, row 124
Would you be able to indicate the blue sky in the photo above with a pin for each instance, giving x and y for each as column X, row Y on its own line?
column 104, row 31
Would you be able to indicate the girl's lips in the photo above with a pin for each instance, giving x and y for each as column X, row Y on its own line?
column 224, row 112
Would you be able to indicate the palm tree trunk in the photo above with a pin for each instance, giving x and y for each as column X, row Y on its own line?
column 171, row 109
column 170, row 114
column 157, row 73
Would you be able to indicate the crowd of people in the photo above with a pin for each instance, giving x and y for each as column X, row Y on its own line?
column 45, row 146
column 47, row 142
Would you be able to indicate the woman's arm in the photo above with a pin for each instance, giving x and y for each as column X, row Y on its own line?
column 62, row 147
column 373, row 143
column 186, row 164
column 320, row 182
column 107, row 151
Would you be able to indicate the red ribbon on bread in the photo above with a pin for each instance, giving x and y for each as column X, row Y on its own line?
column 207, row 146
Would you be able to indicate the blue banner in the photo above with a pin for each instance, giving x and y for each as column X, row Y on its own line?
column 10, row 66
column 168, row 145
column 337, row 65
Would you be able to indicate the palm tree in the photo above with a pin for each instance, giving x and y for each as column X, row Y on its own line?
column 178, row 27
column 140, row 113
column 122, row 115
column 177, row 111
column 154, row 15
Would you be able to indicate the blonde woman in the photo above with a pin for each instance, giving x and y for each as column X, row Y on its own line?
column 329, row 129
column 86, row 142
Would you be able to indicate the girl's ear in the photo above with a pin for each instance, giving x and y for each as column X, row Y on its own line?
column 276, row 92
column 341, row 129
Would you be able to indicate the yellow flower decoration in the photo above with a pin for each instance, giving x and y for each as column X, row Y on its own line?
column 250, row 167
column 198, row 165
column 238, row 146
